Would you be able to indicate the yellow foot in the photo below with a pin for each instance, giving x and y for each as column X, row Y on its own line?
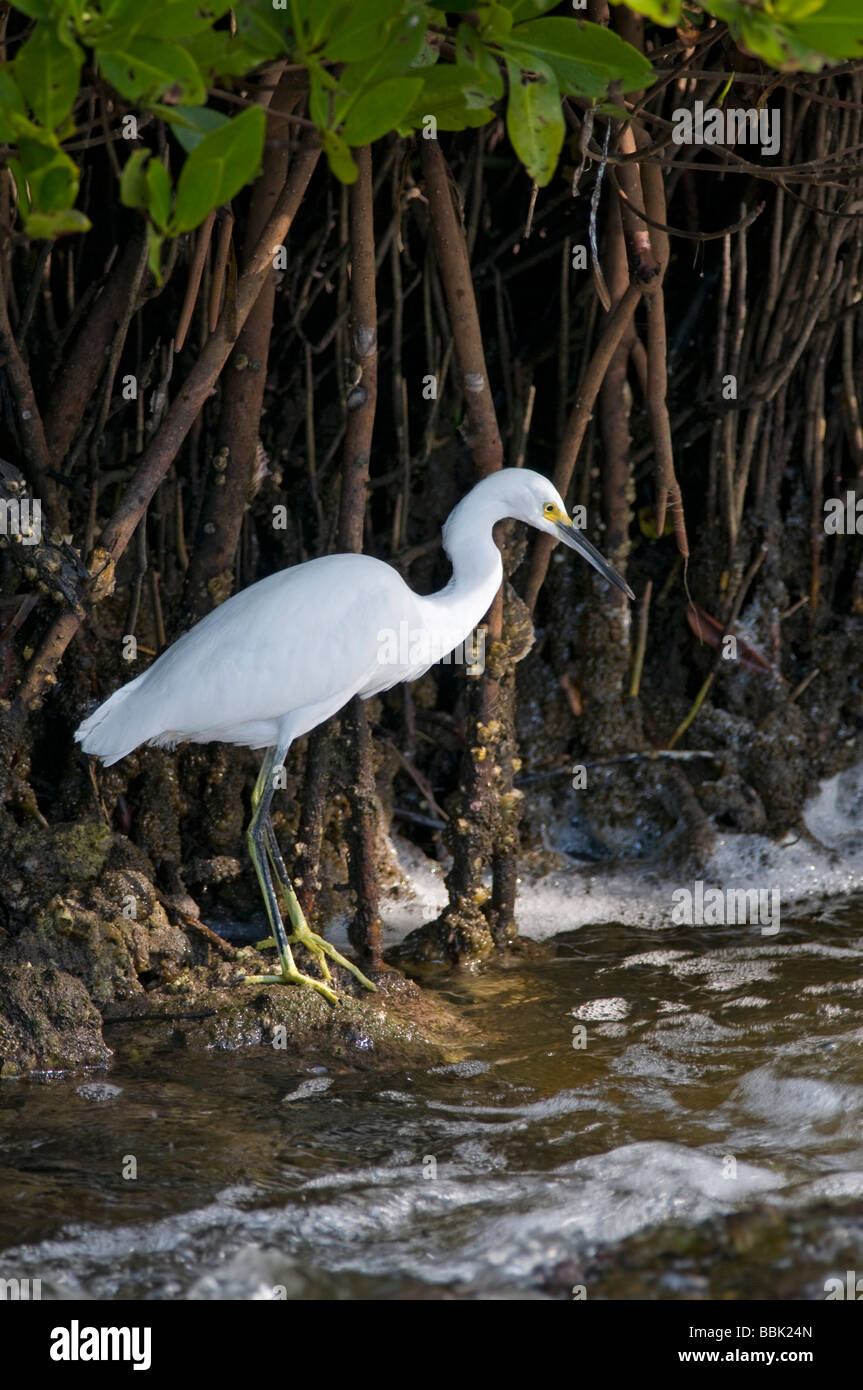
column 293, row 977
column 304, row 936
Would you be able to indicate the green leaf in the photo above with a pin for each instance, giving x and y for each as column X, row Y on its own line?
column 318, row 18
column 376, row 112
column 495, row 23
column 529, row 9
column 363, row 30
column 133, row 183
column 218, row 168
column 45, row 226
column 319, row 97
column 788, row 34
column 262, row 28
column 52, row 177
column 534, row 122
column 665, row 12
column 191, row 123
column 404, row 45
column 339, row 157
column 12, row 108
column 48, row 73
column 611, row 108
column 795, row 10
column 169, row 19
column 584, row 57
column 37, row 9
column 154, row 252
column 20, row 181
column 116, row 11
column 759, row 35
column 471, row 52
column 148, row 68
column 158, row 193
column 179, row 19
column 834, row 31
column 427, row 56
column 454, row 95
column 217, row 53
column 148, row 185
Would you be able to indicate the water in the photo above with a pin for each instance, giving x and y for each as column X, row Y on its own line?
column 707, row 1141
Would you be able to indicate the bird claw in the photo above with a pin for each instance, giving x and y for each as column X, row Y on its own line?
column 321, row 948
column 293, row 977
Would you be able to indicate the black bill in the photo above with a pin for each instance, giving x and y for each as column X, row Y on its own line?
column 572, row 537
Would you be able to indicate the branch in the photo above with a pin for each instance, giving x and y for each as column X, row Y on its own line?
column 162, row 450
column 28, row 419
column 482, row 433
column 362, row 397
column 85, row 364
column 576, row 426
column 668, row 493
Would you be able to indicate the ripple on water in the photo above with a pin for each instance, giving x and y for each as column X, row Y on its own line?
column 685, row 1098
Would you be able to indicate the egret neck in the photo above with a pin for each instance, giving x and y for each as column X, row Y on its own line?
column 477, row 569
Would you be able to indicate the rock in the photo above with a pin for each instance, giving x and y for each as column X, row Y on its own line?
column 47, row 1021
column 99, row 1091
column 314, row 1086
column 90, row 934
column 367, row 1031
column 86, row 933
column 82, row 850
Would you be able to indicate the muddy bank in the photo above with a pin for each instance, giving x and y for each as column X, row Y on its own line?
column 98, row 959
column 101, row 922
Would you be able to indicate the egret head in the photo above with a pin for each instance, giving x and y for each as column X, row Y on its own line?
column 531, row 498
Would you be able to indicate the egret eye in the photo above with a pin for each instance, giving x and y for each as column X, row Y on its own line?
column 548, row 508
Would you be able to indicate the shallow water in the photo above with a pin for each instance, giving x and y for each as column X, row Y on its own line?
column 707, row 1141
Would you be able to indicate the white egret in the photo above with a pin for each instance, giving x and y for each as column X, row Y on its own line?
column 279, row 658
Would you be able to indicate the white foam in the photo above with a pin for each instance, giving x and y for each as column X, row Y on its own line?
column 824, row 861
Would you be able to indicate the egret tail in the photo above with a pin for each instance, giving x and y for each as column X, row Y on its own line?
column 113, row 730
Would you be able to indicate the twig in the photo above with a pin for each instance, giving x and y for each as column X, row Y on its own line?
column 414, row 773
column 790, row 698
column 735, row 613
column 576, row 426
column 745, row 221
column 220, row 263
column 196, row 270
column 524, row 429
column 640, row 641
column 28, row 419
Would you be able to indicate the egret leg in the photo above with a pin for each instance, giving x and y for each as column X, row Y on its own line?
column 302, row 933
column 257, row 840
